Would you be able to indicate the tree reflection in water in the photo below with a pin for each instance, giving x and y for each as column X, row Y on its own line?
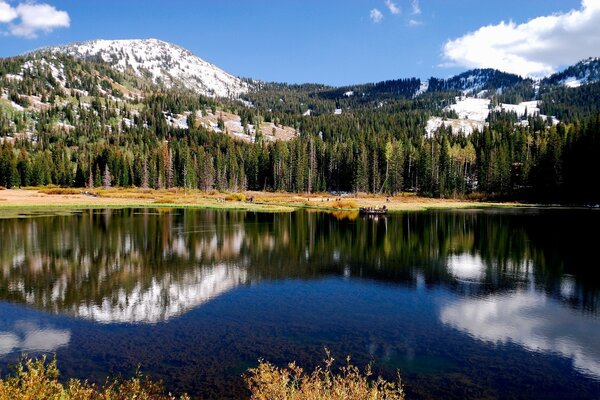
column 521, row 277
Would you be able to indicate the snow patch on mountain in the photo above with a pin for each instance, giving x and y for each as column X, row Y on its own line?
column 473, row 114
column 163, row 63
column 530, row 108
column 572, row 82
column 423, row 88
column 471, row 108
column 466, row 126
column 34, row 66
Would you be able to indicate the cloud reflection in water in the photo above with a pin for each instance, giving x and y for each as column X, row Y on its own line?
column 533, row 320
column 31, row 337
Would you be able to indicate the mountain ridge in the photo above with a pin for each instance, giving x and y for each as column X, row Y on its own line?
column 173, row 66
column 163, row 63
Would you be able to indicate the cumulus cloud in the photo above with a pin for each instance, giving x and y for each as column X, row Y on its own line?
column 416, row 7
column 28, row 19
column 376, row 15
column 413, row 22
column 534, row 48
column 393, row 7
column 7, row 13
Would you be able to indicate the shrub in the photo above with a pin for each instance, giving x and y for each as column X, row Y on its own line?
column 292, row 383
column 60, row 191
column 344, row 204
column 235, row 197
column 38, row 379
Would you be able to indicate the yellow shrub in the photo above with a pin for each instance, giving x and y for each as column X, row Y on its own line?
column 37, row 379
column 344, row 204
column 235, row 197
column 292, row 383
column 59, row 190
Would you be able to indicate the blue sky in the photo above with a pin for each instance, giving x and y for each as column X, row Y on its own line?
column 327, row 41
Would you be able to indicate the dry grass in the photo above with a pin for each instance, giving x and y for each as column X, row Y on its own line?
column 58, row 190
column 293, row 383
column 165, row 200
column 37, row 379
column 262, row 201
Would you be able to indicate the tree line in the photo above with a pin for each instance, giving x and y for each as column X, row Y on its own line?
column 88, row 136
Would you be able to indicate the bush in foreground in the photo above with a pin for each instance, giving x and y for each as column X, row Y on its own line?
column 267, row 382
column 36, row 379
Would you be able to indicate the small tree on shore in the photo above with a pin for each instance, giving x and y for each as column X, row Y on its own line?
column 145, row 183
column 106, row 178
column 90, row 181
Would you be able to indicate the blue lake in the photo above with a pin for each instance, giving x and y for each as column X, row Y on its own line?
column 465, row 304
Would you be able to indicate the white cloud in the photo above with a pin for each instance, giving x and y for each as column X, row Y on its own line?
column 416, row 7
column 28, row 19
column 393, row 7
column 413, row 22
column 7, row 13
column 376, row 15
column 534, row 48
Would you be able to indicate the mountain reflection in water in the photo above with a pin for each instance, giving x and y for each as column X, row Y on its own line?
column 497, row 277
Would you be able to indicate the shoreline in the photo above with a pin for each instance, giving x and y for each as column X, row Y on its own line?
column 56, row 198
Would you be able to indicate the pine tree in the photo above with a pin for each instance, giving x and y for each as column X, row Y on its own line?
column 106, row 178
column 90, row 180
column 145, row 180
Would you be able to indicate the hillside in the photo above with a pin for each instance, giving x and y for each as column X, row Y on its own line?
column 163, row 63
column 582, row 73
column 60, row 85
column 97, row 114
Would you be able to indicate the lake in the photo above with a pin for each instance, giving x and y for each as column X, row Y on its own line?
column 491, row 303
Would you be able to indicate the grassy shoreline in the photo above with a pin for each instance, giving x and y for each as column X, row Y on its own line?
column 60, row 199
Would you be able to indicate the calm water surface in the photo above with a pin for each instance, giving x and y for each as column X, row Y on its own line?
column 466, row 304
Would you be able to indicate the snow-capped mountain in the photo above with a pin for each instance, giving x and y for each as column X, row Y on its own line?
column 163, row 63
column 584, row 72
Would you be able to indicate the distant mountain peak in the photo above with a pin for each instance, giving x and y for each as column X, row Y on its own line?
column 161, row 62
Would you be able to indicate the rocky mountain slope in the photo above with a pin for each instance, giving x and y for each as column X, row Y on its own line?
column 161, row 62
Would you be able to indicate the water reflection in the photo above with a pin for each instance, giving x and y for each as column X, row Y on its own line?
column 531, row 319
column 148, row 266
column 164, row 298
column 466, row 267
column 434, row 294
column 27, row 336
